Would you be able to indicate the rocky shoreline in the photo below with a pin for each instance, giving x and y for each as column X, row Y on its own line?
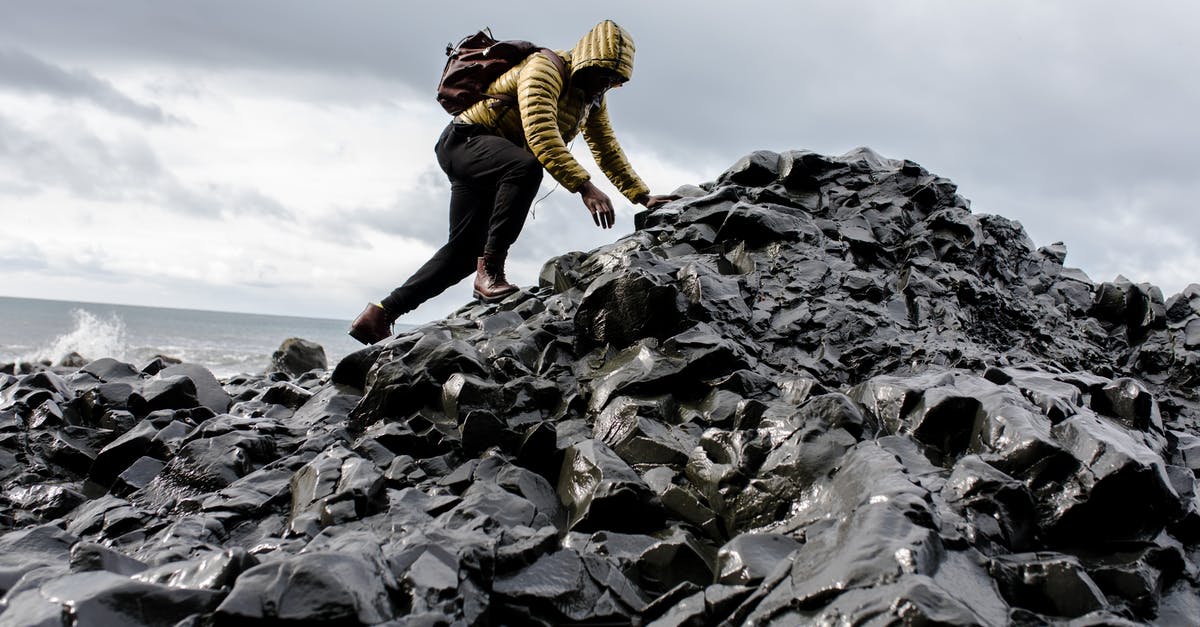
column 817, row 390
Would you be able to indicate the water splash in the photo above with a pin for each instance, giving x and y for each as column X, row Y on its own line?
column 92, row 336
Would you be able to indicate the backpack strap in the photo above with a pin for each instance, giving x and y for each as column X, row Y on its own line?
column 507, row 101
column 558, row 63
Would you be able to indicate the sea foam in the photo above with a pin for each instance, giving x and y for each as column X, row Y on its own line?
column 91, row 336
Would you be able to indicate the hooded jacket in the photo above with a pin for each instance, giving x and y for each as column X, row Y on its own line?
column 548, row 114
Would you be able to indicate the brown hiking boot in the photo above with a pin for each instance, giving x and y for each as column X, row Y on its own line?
column 490, row 284
column 372, row 325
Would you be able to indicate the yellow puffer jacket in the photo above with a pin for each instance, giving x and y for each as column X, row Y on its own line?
column 548, row 114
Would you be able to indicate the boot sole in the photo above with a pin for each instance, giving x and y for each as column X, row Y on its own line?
column 493, row 299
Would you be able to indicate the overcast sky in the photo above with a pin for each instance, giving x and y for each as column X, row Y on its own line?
column 276, row 156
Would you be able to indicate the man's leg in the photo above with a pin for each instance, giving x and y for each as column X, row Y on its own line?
column 493, row 184
column 516, row 175
column 455, row 260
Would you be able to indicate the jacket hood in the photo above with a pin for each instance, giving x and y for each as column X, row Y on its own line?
column 608, row 46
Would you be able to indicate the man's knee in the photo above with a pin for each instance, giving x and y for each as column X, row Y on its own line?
column 528, row 171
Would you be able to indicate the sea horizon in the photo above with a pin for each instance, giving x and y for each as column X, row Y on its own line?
column 225, row 342
column 200, row 309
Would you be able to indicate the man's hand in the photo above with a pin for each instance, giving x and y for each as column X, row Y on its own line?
column 650, row 202
column 598, row 205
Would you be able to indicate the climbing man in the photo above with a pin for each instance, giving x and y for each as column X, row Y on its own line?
column 494, row 153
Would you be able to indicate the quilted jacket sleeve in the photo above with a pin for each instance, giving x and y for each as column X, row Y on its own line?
column 612, row 161
column 538, row 90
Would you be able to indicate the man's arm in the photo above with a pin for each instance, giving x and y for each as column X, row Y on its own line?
column 611, row 159
column 608, row 154
column 538, row 90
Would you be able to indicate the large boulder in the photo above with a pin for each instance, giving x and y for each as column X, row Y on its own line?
column 296, row 356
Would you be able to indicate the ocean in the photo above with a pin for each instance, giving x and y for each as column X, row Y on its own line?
column 226, row 343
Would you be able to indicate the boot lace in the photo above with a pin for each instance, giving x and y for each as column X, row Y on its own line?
column 495, row 269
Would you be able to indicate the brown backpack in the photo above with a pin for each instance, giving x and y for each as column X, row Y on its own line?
column 476, row 62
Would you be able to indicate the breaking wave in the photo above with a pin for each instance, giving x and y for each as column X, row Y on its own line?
column 91, row 336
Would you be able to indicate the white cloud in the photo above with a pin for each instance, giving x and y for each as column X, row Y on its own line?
column 22, row 71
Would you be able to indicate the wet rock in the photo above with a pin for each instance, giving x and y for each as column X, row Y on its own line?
column 637, row 368
column 675, row 560
column 1113, row 464
column 117, row 455
column 33, row 390
column 287, row 394
column 209, row 392
column 637, row 439
column 100, row 402
column 682, row 500
column 103, row 598
column 481, row 430
column 566, row 586
column 69, row 450
column 352, row 369
column 871, row 526
column 330, row 588
column 89, row 556
column 719, row 468
column 44, row 501
column 411, row 377
column 559, row 273
column 213, row 571
column 660, row 564
column 750, row 557
column 107, row 369
column 1051, row 584
column 997, row 506
column 336, row 487
column 756, row 169
column 31, row 548
column 172, row 392
column 138, row 475
column 463, row 393
column 432, row 580
column 158, row 363
column 627, row 306
column 913, row 600
column 1135, row 309
column 296, row 356
column 208, row 464
column 684, row 362
column 601, row 491
column 1129, row 401
column 1180, row 603
column 443, row 355
column 1134, row 577
column 331, row 407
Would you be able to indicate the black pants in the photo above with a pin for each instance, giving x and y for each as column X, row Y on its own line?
column 492, row 184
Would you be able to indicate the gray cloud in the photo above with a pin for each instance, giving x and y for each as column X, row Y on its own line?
column 24, row 71
column 419, row 213
column 214, row 200
column 20, row 254
column 934, row 81
column 73, row 158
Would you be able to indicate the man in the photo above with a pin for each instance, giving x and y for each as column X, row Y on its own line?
column 494, row 154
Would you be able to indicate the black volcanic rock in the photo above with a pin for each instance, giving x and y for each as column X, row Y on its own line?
column 817, row 390
column 297, row 356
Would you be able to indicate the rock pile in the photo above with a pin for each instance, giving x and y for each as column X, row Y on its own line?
column 815, row 390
